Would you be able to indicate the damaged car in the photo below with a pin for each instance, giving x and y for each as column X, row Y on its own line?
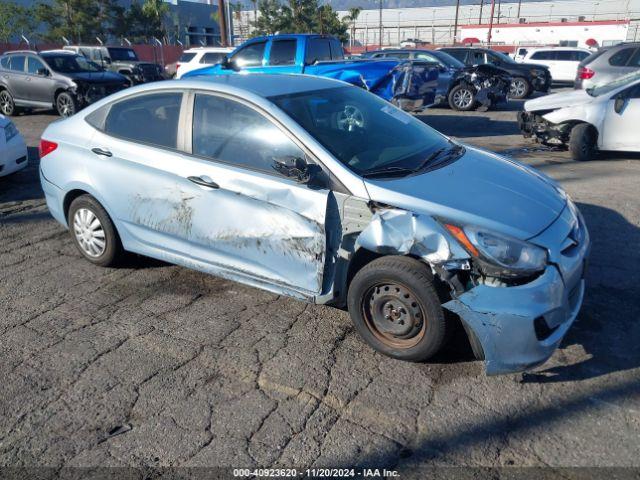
column 461, row 87
column 599, row 118
column 319, row 190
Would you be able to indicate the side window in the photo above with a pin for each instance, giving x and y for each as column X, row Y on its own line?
column 543, row 55
column 476, row 58
column 17, row 63
column 458, row 54
column 634, row 92
column 283, row 52
column 4, row 62
column 151, row 118
column 250, row 56
column 231, row 132
column 33, row 65
column 85, row 52
column 565, row 56
column 621, row 58
column 635, row 59
column 427, row 57
column 318, row 50
column 579, row 56
column 401, row 55
column 211, row 58
column 337, row 53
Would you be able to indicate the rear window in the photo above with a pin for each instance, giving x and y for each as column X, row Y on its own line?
column 620, row 58
column 283, row 52
column 151, row 119
column 591, row 58
column 187, row 57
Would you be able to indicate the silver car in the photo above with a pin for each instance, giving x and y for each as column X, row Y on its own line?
column 607, row 64
column 316, row 189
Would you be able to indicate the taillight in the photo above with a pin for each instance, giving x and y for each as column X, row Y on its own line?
column 46, row 147
column 585, row 73
column 177, row 66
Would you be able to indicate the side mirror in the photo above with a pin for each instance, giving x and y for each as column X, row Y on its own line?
column 107, row 60
column 619, row 103
column 293, row 167
column 43, row 72
column 228, row 64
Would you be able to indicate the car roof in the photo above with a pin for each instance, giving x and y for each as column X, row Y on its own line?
column 208, row 49
column 57, row 52
column 538, row 49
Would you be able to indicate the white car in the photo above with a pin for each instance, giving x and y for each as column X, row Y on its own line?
column 201, row 57
column 562, row 61
column 13, row 150
column 604, row 117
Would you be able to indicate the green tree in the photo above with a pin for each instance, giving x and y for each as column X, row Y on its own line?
column 15, row 20
column 351, row 18
column 156, row 13
column 76, row 20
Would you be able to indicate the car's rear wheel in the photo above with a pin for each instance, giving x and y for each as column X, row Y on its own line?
column 7, row 105
column 93, row 231
column 520, row 88
column 66, row 104
column 462, row 98
column 583, row 142
column 395, row 308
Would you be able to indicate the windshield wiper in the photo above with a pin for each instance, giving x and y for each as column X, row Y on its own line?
column 442, row 154
column 388, row 172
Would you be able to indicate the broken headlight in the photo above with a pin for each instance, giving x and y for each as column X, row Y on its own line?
column 10, row 131
column 500, row 255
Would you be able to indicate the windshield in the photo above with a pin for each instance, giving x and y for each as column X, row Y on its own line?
column 617, row 83
column 123, row 55
column 364, row 132
column 503, row 56
column 447, row 59
column 66, row 63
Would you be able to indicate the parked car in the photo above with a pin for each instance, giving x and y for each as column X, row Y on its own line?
column 319, row 190
column 13, row 150
column 562, row 62
column 55, row 78
column 607, row 64
column 526, row 77
column 409, row 84
column 462, row 88
column 195, row 58
column 123, row 60
column 520, row 53
column 604, row 117
column 170, row 70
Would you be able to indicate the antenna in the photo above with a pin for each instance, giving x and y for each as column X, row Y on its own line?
column 99, row 41
column 66, row 40
column 26, row 40
column 127, row 41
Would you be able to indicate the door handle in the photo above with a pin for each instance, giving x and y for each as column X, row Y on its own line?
column 203, row 182
column 102, row 151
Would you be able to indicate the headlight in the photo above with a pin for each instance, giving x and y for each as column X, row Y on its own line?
column 500, row 255
column 10, row 131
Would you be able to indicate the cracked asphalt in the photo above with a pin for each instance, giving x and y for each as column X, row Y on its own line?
column 156, row 365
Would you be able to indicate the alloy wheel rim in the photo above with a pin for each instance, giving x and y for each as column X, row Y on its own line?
column 89, row 232
column 350, row 118
column 64, row 106
column 5, row 103
column 394, row 315
column 518, row 88
column 462, row 98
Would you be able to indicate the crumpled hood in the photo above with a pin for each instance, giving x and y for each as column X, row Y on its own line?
column 98, row 77
column 558, row 100
column 480, row 188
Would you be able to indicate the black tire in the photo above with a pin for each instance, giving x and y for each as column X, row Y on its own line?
column 583, row 142
column 7, row 104
column 392, row 284
column 518, row 93
column 66, row 104
column 113, row 247
column 462, row 98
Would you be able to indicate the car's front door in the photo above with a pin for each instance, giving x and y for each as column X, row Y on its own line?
column 220, row 206
column 42, row 86
column 622, row 117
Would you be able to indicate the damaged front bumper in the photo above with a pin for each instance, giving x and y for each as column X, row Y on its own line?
column 533, row 124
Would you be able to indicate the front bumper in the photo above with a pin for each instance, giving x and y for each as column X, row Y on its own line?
column 13, row 156
column 520, row 327
column 541, row 83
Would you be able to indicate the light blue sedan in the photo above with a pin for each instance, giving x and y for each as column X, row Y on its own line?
column 315, row 189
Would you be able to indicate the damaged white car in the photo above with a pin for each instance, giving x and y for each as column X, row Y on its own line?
column 316, row 189
column 600, row 118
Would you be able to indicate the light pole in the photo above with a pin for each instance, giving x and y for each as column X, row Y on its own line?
column 480, row 16
column 455, row 25
column 380, row 22
column 493, row 5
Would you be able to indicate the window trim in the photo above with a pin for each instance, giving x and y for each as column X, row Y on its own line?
column 179, row 134
column 335, row 184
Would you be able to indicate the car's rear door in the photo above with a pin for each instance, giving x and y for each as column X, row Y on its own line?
column 16, row 77
column 283, row 56
column 620, row 128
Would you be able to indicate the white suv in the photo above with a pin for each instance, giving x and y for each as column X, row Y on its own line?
column 562, row 61
column 201, row 57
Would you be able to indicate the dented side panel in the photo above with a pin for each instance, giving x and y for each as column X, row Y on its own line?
column 259, row 227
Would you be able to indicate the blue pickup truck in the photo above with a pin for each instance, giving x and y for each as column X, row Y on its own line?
column 412, row 85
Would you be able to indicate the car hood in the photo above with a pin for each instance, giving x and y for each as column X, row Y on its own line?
column 97, row 77
column 558, row 100
column 480, row 188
